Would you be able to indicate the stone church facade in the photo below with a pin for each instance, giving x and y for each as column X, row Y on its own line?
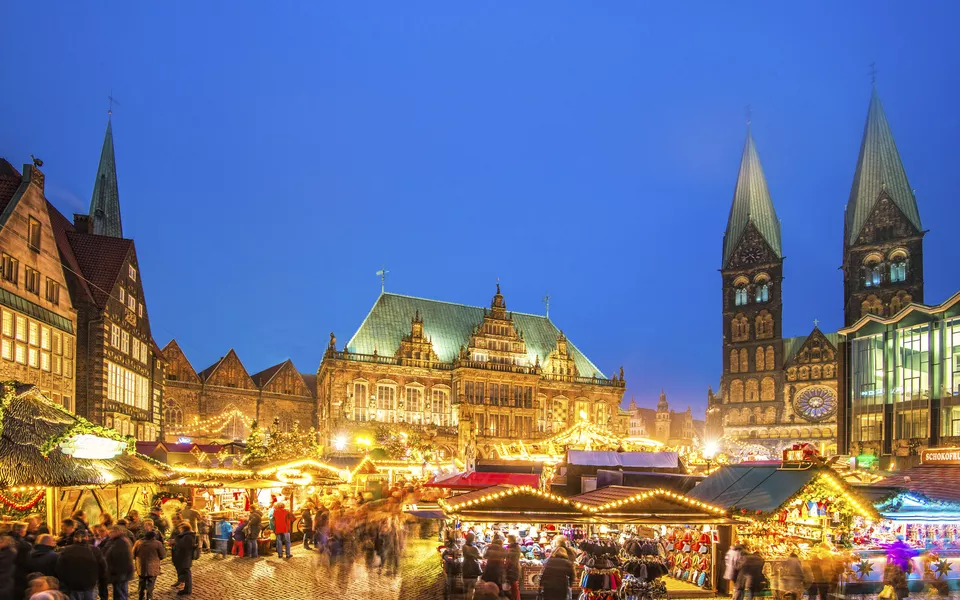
column 775, row 390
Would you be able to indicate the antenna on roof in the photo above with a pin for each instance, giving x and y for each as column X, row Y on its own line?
column 382, row 273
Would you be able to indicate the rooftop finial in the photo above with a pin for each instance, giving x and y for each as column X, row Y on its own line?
column 383, row 277
column 112, row 102
column 749, row 115
column 546, row 300
column 873, row 73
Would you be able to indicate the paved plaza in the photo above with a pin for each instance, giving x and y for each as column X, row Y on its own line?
column 305, row 576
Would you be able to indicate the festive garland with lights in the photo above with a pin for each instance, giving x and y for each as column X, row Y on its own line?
column 82, row 427
column 9, row 392
column 22, row 506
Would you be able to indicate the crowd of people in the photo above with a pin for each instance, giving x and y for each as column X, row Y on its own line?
column 89, row 561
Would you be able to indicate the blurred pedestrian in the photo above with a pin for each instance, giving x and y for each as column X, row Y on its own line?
column 254, row 527
column 81, row 568
column 238, row 538
column 183, row 549
column 43, row 559
column 148, row 552
column 282, row 520
column 471, row 566
column 306, row 524
column 557, row 577
column 118, row 554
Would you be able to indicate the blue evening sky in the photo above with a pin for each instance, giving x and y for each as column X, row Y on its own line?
column 272, row 155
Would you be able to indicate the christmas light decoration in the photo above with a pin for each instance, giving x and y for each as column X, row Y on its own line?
column 215, row 424
column 659, row 492
column 89, row 446
column 22, row 506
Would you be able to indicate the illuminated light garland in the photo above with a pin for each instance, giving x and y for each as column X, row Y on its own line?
column 293, row 477
column 652, row 493
column 211, row 424
column 22, row 506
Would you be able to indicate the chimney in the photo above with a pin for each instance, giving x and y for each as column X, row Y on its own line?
column 32, row 174
column 81, row 223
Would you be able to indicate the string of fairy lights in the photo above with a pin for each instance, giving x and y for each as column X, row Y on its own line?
column 216, row 423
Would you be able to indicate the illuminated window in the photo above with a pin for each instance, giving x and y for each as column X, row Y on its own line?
column 124, row 342
column 33, row 232
column 763, row 292
column 53, row 291
column 872, row 272
column 45, row 337
column 32, row 280
column 57, row 364
column 21, row 328
column 131, row 302
column 440, row 406
column 10, row 268
column 898, row 271
column 34, row 356
column 127, row 387
column 359, row 401
column 115, row 336
column 413, row 404
column 7, row 349
column 21, row 354
column 34, row 334
column 8, row 323
column 740, row 296
column 140, row 309
column 132, row 272
column 123, row 296
column 57, row 342
column 386, row 403
column 45, row 361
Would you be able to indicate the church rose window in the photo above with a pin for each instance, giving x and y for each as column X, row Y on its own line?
column 815, row 403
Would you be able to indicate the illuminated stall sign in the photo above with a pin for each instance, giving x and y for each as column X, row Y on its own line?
column 940, row 456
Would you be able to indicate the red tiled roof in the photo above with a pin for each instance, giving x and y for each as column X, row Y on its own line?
column 148, row 448
column 61, row 226
column 8, row 187
column 479, row 481
column 607, row 494
column 100, row 258
column 936, row 482
column 209, row 448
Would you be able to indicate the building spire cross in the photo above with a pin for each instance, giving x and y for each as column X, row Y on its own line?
column 873, row 73
column 816, row 322
column 112, row 102
column 546, row 301
column 749, row 115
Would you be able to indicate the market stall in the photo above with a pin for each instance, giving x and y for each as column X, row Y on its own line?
column 681, row 534
column 53, row 463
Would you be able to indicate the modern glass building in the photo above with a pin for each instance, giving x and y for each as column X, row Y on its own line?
column 901, row 384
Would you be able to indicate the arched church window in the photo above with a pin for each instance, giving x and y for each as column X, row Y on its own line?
column 764, row 325
column 740, row 296
column 898, row 271
column 767, row 389
column 828, row 371
column 872, row 271
column 744, row 361
column 752, row 390
column 872, row 305
column 173, row 415
column 740, row 328
column 763, row 292
column 736, row 391
column 734, row 361
column 760, row 359
column 771, row 359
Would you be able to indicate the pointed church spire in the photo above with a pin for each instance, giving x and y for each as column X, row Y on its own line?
column 105, row 203
column 751, row 204
column 879, row 170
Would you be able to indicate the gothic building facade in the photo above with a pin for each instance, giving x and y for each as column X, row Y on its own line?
column 119, row 367
column 664, row 424
column 221, row 403
column 463, row 373
column 776, row 391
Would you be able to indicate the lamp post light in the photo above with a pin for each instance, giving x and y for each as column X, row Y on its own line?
column 710, row 450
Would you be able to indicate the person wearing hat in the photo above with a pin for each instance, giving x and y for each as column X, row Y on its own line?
column 471, row 566
column 557, row 575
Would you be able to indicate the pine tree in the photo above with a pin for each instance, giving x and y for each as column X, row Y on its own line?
column 256, row 444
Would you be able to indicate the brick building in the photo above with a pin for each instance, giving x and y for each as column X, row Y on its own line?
column 463, row 373
column 39, row 324
column 664, row 424
column 221, row 402
column 119, row 367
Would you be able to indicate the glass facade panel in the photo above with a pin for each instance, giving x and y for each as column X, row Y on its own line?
column 911, row 392
column 867, row 388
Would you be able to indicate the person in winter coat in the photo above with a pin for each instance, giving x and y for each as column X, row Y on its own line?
column 134, row 523
column 791, row 578
column 306, row 524
column 222, row 535
column 731, row 567
column 282, row 520
column 183, row 558
column 18, row 532
column 80, row 568
column 254, row 527
column 159, row 522
column 43, row 559
column 894, row 576
column 750, row 579
column 118, row 554
column 150, row 525
column 8, row 567
column 203, row 532
column 80, row 518
column 514, row 553
column 557, row 575
column 451, row 566
column 238, row 539
column 496, row 556
column 148, row 553
column 471, row 566
column 67, row 528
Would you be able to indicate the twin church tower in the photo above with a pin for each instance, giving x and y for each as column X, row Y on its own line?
column 776, row 390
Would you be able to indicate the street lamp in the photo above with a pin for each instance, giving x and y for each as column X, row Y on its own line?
column 340, row 443
column 710, row 450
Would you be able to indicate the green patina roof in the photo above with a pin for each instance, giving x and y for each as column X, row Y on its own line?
column 449, row 326
column 792, row 345
column 751, row 203
column 878, row 168
column 105, row 203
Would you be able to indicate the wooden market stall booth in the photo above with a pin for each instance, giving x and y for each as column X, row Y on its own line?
column 656, row 520
column 53, row 462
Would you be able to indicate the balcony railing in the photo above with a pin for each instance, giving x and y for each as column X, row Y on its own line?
column 387, row 360
column 587, row 380
column 494, row 366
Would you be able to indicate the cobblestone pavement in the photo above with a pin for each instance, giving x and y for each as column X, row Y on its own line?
column 305, row 576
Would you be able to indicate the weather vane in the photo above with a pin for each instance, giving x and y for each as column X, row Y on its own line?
column 383, row 277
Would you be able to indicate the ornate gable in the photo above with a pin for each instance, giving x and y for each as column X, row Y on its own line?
column 416, row 346
column 178, row 368
column 886, row 224
column 229, row 372
column 560, row 360
column 815, row 349
column 286, row 380
column 752, row 250
column 496, row 338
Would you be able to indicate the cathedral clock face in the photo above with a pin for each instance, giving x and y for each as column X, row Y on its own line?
column 751, row 255
column 815, row 403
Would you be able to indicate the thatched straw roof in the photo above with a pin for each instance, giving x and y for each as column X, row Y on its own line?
column 30, row 420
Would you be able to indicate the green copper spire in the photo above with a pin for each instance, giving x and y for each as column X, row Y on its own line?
column 878, row 170
column 105, row 204
column 751, row 204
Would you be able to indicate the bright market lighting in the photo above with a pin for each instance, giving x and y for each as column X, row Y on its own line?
column 340, row 443
column 89, row 446
column 710, row 449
